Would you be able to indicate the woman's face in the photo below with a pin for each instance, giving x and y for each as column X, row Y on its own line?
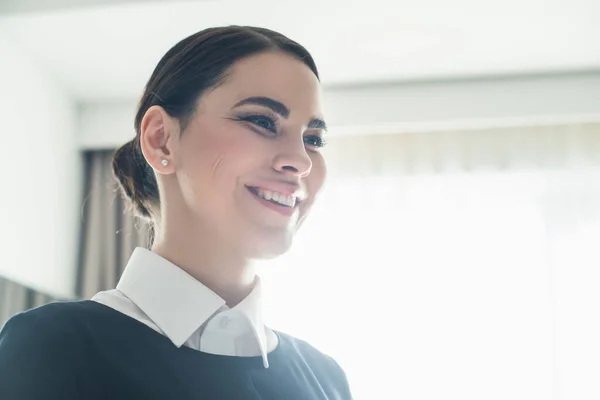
column 249, row 164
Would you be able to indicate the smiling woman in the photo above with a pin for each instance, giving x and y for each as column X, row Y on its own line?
column 255, row 129
column 225, row 165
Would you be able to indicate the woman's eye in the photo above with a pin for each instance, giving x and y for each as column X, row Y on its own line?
column 315, row 141
column 262, row 121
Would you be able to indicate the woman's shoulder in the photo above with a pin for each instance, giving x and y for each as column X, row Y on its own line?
column 44, row 326
column 42, row 345
column 311, row 354
column 52, row 316
column 322, row 364
column 51, row 325
column 292, row 343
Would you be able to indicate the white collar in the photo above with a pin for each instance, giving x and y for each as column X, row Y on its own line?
column 179, row 304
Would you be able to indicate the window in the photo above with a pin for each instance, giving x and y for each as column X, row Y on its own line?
column 481, row 285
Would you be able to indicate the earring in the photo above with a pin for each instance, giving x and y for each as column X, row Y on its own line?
column 164, row 163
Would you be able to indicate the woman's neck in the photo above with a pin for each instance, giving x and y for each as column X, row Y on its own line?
column 213, row 264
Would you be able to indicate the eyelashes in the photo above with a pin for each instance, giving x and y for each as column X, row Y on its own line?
column 261, row 121
column 315, row 141
column 268, row 123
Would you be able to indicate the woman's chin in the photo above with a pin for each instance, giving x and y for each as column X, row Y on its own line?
column 268, row 248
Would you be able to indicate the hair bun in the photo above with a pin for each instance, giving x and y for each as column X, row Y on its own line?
column 135, row 177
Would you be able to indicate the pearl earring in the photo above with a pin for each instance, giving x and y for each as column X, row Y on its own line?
column 164, row 163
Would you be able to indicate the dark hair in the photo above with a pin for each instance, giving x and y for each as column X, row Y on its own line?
column 195, row 64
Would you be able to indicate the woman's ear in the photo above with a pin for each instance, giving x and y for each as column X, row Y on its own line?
column 157, row 132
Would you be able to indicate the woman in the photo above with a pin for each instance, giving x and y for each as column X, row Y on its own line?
column 226, row 165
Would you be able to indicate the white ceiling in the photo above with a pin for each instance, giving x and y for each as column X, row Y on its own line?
column 108, row 51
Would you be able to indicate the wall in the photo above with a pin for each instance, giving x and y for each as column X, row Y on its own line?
column 403, row 107
column 41, row 176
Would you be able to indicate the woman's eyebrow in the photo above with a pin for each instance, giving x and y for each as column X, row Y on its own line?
column 279, row 108
column 268, row 102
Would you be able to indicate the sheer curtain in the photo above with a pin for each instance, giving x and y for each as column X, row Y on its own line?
column 453, row 265
column 109, row 232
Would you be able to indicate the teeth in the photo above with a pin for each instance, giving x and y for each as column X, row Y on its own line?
column 289, row 201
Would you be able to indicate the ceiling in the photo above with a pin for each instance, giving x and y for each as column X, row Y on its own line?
column 107, row 51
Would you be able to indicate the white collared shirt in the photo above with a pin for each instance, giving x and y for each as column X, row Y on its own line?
column 161, row 295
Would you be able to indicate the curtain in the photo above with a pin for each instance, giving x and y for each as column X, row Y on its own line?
column 453, row 265
column 15, row 298
column 108, row 235
column 109, row 232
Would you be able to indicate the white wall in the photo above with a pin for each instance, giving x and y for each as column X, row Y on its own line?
column 36, row 6
column 40, row 199
column 409, row 107
column 477, row 102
